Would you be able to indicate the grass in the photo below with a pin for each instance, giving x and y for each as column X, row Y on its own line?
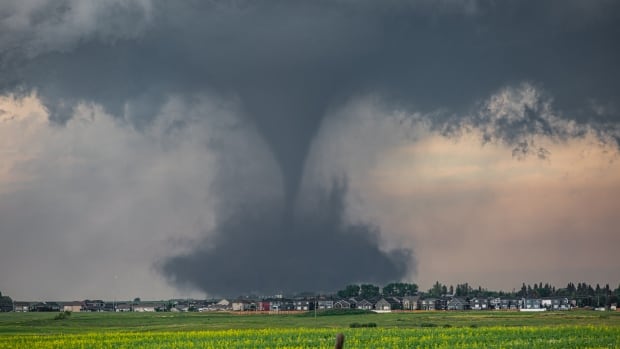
column 528, row 337
column 44, row 323
column 466, row 330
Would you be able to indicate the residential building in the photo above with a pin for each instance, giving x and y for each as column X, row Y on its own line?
column 410, row 302
column 457, row 303
column 72, row 306
column 479, row 303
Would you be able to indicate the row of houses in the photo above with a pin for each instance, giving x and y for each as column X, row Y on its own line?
column 90, row 306
column 523, row 304
column 306, row 304
column 401, row 303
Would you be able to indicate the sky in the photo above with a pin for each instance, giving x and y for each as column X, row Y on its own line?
column 161, row 149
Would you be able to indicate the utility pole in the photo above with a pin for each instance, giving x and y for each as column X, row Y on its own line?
column 316, row 304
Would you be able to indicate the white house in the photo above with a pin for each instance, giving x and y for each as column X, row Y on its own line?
column 72, row 306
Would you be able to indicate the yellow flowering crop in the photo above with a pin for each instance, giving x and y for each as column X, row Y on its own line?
column 436, row 338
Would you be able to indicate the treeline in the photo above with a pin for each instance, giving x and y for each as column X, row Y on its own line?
column 369, row 291
column 584, row 294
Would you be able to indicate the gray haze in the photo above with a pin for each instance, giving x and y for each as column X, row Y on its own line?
column 286, row 66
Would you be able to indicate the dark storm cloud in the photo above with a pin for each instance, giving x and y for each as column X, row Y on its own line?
column 255, row 250
column 288, row 63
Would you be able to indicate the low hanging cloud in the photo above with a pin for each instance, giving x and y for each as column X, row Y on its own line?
column 257, row 251
column 452, row 196
column 516, row 116
column 95, row 203
column 264, row 90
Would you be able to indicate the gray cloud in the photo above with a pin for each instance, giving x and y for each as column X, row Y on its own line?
column 35, row 27
column 256, row 250
column 287, row 64
column 517, row 115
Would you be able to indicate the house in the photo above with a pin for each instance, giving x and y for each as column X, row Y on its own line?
column 383, row 305
column 498, row 303
column 93, row 305
column 342, row 304
column 282, row 305
column 288, row 305
column 72, row 306
column 494, row 303
column 218, row 307
column 203, row 305
column 263, row 305
column 180, row 308
column 531, row 304
column 146, row 307
column 427, row 304
column 560, row 304
column 45, row 307
column 457, row 303
column 555, row 303
column 479, row 303
column 507, row 303
column 303, row 304
column 241, row 305
column 395, row 303
column 21, row 306
column 353, row 301
column 222, row 305
column 388, row 304
column 123, row 307
column 410, row 302
column 325, row 304
column 441, row 303
column 365, row 304
column 276, row 305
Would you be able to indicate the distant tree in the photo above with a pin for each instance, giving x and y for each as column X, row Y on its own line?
column 136, row 300
column 369, row 291
column 463, row 290
column 349, row 291
column 435, row 291
column 544, row 291
column 451, row 289
column 6, row 303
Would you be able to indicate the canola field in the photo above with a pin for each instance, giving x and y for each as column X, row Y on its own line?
column 433, row 330
column 490, row 337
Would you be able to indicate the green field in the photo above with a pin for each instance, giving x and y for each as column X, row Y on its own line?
column 573, row 329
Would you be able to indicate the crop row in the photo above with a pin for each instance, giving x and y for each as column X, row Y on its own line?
column 486, row 337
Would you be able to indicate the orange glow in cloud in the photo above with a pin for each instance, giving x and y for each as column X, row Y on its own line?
column 508, row 219
column 20, row 119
